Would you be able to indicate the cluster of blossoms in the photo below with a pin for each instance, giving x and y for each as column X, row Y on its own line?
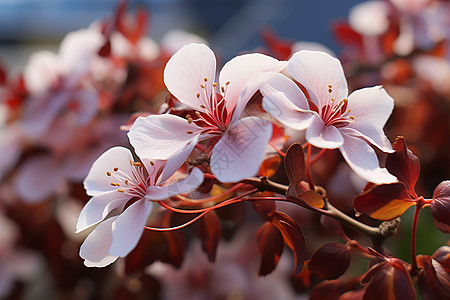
column 263, row 131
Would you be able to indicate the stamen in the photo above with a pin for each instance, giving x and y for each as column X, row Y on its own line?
column 152, row 163
column 198, row 113
column 202, row 86
column 189, row 132
column 227, row 83
column 214, row 84
column 205, row 79
column 352, row 118
column 330, row 91
column 137, row 164
column 120, row 190
column 222, row 89
column 108, row 173
column 198, row 95
column 116, row 169
column 202, row 106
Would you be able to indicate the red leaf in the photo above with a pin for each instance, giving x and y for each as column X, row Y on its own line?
column 270, row 243
column 431, row 285
column 388, row 279
column 440, row 206
column 294, row 164
column 270, row 165
column 210, row 233
column 403, row 164
column 265, row 208
column 333, row 289
column 281, row 49
column 332, row 225
column 384, row 202
column 330, row 261
column 345, row 35
column 105, row 50
column 442, row 256
column 293, row 237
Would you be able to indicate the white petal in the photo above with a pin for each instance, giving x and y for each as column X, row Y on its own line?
column 321, row 136
column 185, row 73
column 88, row 105
column 175, row 162
column 363, row 160
column 317, row 70
column 43, row 62
column 98, row 207
column 38, row 178
column 161, row 136
column 372, row 105
column 370, row 18
column 370, row 133
column 284, row 100
column 240, row 73
column 238, row 154
column 128, row 227
column 186, row 185
column 95, row 249
column 97, row 181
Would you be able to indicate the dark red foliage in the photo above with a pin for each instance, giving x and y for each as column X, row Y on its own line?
column 281, row 49
column 403, row 164
column 270, row 244
column 265, row 208
column 167, row 247
column 209, row 232
column 330, row 261
column 442, row 256
column 333, row 289
column 440, row 206
column 293, row 237
column 294, row 164
column 388, row 279
column 433, row 281
column 345, row 35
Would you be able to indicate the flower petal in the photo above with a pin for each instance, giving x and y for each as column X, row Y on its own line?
column 98, row 207
column 363, row 160
column 317, row 70
column 238, row 154
column 373, row 135
column 321, row 136
column 372, row 105
column 238, row 78
column 95, row 249
column 186, row 185
column 284, row 100
column 128, row 227
column 185, row 73
column 97, row 181
column 161, row 136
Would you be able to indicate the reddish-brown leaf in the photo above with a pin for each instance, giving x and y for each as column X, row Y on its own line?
column 330, row 261
column 403, row 164
column 345, row 35
column 271, row 245
column 353, row 295
column 440, row 206
column 333, row 289
column 433, row 281
column 209, row 233
column 294, row 164
column 270, row 165
column 384, row 202
column 442, row 256
column 293, row 237
column 265, row 208
column 388, row 279
column 332, row 225
column 312, row 198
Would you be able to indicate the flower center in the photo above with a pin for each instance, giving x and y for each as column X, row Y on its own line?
column 214, row 119
column 336, row 113
column 134, row 184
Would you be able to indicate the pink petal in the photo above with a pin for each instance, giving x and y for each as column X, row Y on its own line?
column 317, row 70
column 186, row 185
column 38, row 178
column 321, row 136
column 238, row 154
column 240, row 73
column 373, row 135
column 372, row 105
column 284, row 100
column 99, row 206
column 363, row 160
column 87, row 101
column 128, row 227
column 95, row 249
column 10, row 148
column 97, row 181
column 185, row 73
column 161, row 136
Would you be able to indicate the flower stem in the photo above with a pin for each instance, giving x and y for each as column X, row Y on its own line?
column 414, row 268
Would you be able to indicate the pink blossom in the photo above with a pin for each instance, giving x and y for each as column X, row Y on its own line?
column 332, row 119
column 190, row 76
column 115, row 181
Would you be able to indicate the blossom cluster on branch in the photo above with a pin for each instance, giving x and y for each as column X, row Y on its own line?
column 169, row 170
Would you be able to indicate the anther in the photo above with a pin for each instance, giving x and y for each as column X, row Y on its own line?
column 205, row 79
column 116, row 169
column 198, row 95
column 330, row 86
column 332, row 99
column 189, row 132
column 137, row 164
column 126, row 181
column 214, row 84
column 108, row 173
column 202, row 86
column 189, row 120
column 197, row 113
column 227, row 83
column 222, row 89
column 152, row 163
column 202, row 106
column 349, row 110
column 120, row 190
column 330, row 91
column 352, row 118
